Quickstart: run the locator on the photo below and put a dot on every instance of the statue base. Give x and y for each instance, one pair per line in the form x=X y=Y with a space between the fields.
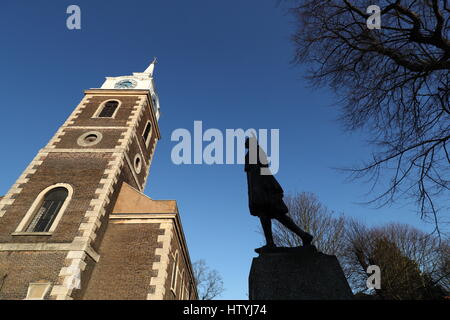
x=300 y=273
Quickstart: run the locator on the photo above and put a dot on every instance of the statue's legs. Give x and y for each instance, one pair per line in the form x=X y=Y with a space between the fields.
x=288 y=223
x=267 y=228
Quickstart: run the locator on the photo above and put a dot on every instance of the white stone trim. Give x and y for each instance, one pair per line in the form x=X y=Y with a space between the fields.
x=97 y=128
x=77 y=264
x=46 y=286
x=142 y=217
x=32 y=210
x=42 y=246
x=102 y=105
x=32 y=233
x=117 y=92
x=56 y=138
x=80 y=150
x=161 y=267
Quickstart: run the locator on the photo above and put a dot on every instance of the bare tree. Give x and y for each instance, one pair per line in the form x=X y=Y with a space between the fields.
x=313 y=217
x=413 y=264
x=393 y=82
x=209 y=282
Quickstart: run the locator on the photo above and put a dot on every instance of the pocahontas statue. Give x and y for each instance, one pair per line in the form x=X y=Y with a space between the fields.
x=265 y=195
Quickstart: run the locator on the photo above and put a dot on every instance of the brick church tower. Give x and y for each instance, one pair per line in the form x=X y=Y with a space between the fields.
x=76 y=224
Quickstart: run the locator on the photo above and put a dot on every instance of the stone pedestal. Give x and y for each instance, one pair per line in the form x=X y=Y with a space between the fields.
x=300 y=273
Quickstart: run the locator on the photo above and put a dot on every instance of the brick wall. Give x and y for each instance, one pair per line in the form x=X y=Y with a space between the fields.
x=24 y=267
x=125 y=267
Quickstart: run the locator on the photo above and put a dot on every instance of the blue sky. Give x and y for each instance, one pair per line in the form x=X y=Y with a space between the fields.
x=226 y=63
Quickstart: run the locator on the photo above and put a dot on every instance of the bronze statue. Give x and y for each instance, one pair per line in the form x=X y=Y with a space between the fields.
x=265 y=196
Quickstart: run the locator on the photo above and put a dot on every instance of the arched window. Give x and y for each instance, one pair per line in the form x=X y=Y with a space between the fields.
x=173 y=281
x=109 y=109
x=48 y=210
x=146 y=134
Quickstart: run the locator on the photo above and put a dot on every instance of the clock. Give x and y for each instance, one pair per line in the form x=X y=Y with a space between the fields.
x=126 y=84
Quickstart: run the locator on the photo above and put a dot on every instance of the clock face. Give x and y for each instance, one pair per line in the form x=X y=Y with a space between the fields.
x=126 y=84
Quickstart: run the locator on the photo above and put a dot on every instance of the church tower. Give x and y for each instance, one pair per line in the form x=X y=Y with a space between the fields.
x=76 y=224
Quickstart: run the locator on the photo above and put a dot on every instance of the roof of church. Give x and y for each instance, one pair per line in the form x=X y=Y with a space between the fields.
x=131 y=200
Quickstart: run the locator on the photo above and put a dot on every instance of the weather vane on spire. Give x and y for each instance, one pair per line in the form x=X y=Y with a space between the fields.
x=151 y=68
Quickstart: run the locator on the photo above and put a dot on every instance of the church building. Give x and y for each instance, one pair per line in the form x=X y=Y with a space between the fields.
x=76 y=224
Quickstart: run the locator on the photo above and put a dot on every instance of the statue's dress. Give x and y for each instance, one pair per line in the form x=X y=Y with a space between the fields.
x=265 y=195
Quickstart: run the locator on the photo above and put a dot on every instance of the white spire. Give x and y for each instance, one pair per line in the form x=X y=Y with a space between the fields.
x=151 y=68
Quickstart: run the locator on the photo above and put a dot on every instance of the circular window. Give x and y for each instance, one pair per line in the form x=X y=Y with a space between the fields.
x=137 y=164
x=89 y=139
